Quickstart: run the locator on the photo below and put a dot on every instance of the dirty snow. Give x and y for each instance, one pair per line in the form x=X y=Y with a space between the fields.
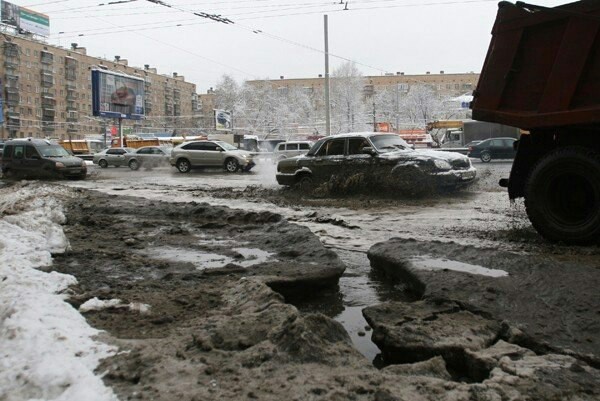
x=47 y=350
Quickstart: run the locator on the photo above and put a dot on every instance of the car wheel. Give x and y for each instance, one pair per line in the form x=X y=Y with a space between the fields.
x=562 y=196
x=103 y=163
x=183 y=165
x=134 y=164
x=305 y=183
x=486 y=157
x=231 y=165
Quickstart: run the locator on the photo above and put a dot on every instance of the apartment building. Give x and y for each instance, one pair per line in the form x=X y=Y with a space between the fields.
x=445 y=85
x=48 y=93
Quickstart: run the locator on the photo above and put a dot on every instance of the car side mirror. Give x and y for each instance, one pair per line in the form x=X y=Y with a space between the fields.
x=368 y=150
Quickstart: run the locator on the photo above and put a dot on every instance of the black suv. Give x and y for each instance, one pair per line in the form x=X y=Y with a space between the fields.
x=375 y=159
x=39 y=158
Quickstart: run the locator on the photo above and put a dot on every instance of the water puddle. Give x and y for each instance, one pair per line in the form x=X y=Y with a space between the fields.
x=425 y=262
x=208 y=260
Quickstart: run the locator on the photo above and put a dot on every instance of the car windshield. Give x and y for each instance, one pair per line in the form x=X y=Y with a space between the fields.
x=389 y=143
x=53 y=151
x=226 y=146
x=316 y=147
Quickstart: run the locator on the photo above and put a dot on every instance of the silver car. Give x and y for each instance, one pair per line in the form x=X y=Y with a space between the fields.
x=112 y=157
x=148 y=157
x=291 y=149
x=193 y=154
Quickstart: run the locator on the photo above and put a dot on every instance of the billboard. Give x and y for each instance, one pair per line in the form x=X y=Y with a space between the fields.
x=117 y=95
x=223 y=121
x=24 y=19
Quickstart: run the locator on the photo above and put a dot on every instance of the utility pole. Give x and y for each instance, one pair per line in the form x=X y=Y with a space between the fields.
x=398 y=107
x=327 y=101
x=374 y=116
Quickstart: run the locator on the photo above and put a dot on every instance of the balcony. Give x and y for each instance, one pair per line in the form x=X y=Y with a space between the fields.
x=47 y=80
x=13 y=121
x=48 y=113
x=47 y=127
x=72 y=117
x=46 y=58
x=12 y=99
x=48 y=102
x=11 y=49
x=71 y=106
x=168 y=109
x=176 y=110
x=72 y=128
x=70 y=95
x=70 y=63
x=70 y=86
x=11 y=63
x=70 y=75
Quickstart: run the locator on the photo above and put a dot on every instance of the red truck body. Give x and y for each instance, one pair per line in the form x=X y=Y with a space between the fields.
x=542 y=68
x=542 y=74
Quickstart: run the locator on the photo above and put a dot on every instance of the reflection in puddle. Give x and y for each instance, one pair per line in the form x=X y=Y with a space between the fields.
x=207 y=260
x=425 y=262
x=355 y=324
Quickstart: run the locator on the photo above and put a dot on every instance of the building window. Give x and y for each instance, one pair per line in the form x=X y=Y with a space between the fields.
x=27 y=52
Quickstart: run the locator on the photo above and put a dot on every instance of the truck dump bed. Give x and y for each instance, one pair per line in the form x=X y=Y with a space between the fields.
x=542 y=68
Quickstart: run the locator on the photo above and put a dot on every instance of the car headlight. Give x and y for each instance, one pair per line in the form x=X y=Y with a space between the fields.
x=60 y=165
x=442 y=164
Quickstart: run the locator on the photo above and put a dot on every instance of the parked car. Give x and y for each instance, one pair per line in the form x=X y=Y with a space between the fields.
x=375 y=159
x=193 y=154
x=39 y=158
x=291 y=149
x=472 y=143
x=495 y=148
x=112 y=157
x=148 y=157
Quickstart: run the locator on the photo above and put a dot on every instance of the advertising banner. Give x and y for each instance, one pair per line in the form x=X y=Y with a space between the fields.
x=25 y=19
x=116 y=95
x=223 y=120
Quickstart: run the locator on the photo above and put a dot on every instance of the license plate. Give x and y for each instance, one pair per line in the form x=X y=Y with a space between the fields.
x=468 y=175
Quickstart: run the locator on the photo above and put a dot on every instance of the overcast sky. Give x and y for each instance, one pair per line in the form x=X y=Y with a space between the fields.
x=380 y=35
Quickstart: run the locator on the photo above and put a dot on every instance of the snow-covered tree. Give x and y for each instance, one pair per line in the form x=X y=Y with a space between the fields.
x=421 y=105
x=227 y=94
x=348 y=109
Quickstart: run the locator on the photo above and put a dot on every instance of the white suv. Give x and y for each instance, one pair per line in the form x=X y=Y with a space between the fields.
x=291 y=149
x=210 y=154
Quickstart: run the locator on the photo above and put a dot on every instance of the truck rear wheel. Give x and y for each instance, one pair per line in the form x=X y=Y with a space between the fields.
x=562 y=196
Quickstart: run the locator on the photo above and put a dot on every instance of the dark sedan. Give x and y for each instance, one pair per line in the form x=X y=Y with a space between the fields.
x=373 y=159
x=494 y=148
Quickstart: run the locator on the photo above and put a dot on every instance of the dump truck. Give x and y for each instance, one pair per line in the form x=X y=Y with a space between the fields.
x=83 y=148
x=542 y=74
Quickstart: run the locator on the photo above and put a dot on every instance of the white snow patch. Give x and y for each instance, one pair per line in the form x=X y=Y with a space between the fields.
x=96 y=304
x=47 y=349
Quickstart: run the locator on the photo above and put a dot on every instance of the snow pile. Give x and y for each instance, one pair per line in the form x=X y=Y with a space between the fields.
x=47 y=349
x=96 y=304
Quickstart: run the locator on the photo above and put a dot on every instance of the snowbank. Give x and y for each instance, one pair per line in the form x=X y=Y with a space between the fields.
x=47 y=349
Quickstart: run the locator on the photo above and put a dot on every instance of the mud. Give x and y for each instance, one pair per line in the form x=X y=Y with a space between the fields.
x=241 y=304
x=542 y=304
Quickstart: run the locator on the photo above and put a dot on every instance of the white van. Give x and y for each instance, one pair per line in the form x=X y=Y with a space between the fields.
x=291 y=149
